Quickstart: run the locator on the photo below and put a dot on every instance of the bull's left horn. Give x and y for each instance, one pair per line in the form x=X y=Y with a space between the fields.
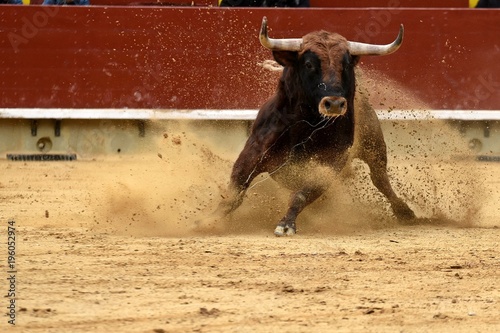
x=372 y=49
x=287 y=44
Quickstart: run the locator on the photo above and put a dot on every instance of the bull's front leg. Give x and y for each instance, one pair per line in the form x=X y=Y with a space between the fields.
x=232 y=198
x=245 y=169
x=299 y=200
x=252 y=161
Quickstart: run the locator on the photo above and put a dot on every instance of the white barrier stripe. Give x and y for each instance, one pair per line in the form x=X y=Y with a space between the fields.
x=439 y=114
x=38 y=113
x=231 y=114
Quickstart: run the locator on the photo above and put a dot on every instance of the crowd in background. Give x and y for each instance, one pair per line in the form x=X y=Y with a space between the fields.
x=264 y=3
x=246 y=3
x=488 y=4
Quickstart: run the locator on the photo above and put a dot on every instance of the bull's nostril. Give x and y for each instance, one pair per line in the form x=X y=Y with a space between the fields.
x=333 y=105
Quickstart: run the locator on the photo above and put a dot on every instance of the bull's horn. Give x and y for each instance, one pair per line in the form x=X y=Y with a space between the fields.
x=288 y=44
x=372 y=49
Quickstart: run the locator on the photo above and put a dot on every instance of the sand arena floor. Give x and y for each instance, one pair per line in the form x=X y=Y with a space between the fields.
x=106 y=245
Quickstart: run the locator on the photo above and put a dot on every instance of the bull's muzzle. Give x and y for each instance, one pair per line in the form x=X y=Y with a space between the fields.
x=332 y=106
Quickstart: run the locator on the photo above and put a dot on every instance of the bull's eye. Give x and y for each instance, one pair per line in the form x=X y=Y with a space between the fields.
x=309 y=65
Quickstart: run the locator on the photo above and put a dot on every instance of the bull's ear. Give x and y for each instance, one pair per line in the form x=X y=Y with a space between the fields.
x=354 y=60
x=286 y=58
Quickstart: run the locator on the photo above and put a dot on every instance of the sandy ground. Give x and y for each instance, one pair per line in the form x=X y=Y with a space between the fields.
x=105 y=245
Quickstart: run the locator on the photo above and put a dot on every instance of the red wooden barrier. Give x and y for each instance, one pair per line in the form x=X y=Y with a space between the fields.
x=195 y=57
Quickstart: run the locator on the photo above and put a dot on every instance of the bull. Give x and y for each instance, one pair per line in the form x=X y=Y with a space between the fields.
x=315 y=120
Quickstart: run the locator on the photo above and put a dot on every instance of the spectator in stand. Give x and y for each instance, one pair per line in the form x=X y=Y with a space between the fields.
x=488 y=4
x=264 y=3
x=240 y=3
x=11 y=2
x=285 y=3
x=67 y=2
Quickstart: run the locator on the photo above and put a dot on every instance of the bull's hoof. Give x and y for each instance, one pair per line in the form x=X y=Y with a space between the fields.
x=403 y=212
x=281 y=231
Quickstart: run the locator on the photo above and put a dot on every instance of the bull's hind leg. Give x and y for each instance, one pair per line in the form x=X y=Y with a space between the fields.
x=380 y=179
x=298 y=202
x=377 y=162
x=370 y=147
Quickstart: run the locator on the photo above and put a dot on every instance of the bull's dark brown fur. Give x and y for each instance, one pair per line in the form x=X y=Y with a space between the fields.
x=292 y=140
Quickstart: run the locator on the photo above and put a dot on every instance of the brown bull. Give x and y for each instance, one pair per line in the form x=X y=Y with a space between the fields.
x=311 y=123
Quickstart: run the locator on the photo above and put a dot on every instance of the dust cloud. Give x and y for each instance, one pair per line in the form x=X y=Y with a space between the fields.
x=161 y=190
x=183 y=171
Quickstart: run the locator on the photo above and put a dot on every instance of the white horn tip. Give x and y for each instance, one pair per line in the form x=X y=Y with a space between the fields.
x=401 y=33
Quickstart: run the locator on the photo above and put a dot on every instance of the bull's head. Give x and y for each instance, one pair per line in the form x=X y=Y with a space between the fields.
x=322 y=65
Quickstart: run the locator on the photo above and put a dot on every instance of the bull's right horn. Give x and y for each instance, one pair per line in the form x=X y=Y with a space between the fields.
x=372 y=49
x=286 y=44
